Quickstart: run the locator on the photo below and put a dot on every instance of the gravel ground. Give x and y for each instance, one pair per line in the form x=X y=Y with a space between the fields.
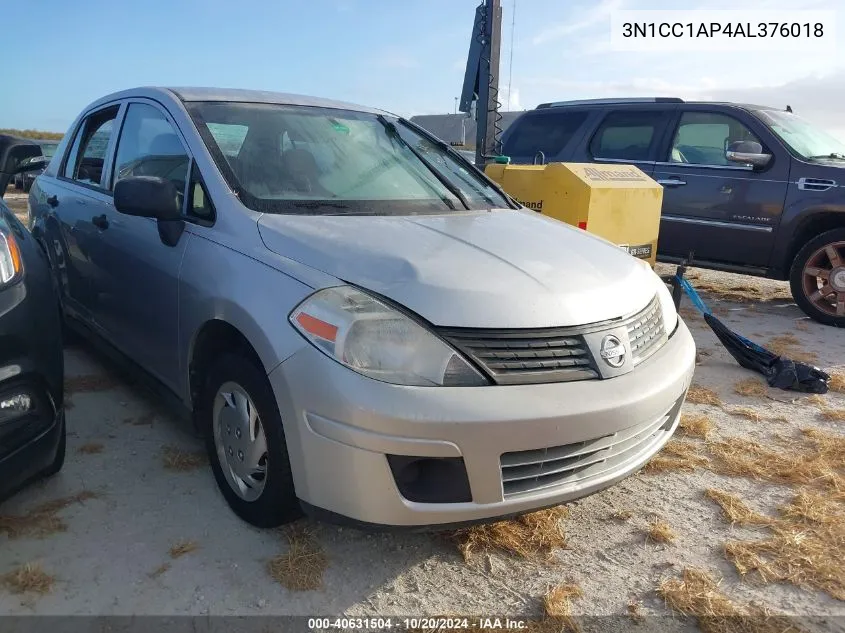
x=112 y=554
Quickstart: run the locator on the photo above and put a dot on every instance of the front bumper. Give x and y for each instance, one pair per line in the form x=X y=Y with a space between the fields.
x=340 y=427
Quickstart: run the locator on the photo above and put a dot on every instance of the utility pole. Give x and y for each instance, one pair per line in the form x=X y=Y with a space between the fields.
x=481 y=80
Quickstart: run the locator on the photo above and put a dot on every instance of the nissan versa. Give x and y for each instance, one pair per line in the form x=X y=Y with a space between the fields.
x=363 y=325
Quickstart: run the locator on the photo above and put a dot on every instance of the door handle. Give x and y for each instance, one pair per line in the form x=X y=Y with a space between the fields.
x=100 y=221
x=671 y=182
x=53 y=201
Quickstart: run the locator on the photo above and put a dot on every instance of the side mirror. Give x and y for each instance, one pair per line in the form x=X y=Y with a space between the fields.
x=39 y=162
x=147 y=197
x=747 y=152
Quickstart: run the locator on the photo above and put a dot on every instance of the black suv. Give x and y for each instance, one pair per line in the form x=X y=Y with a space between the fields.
x=747 y=189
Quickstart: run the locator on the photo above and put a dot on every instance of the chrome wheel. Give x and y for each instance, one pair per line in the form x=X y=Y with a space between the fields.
x=823 y=279
x=240 y=441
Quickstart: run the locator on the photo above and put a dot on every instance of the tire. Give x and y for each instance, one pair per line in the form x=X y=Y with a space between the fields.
x=59 y=460
x=276 y=502
x=806 y=288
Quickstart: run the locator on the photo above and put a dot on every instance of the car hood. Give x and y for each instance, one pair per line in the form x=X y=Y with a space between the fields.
x=497 y=269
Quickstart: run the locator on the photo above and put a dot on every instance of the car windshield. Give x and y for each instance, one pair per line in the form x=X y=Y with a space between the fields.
x=802 y=137
x=303 y=159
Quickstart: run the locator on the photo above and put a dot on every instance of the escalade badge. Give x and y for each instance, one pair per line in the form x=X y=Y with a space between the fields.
x=612 y=351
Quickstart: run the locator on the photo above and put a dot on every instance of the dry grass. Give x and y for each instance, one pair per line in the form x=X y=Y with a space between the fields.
x=622 y=515
x=735 y=510
x=89 y=383
x=160 y=570
x=696 y=425
x=806 y=546
x=837 y=381
x=742 y=293
x=182 y=547
x=557 y=604
x=818 y=460
x=659 y=532
x=91 y=448
x=28 y=578
x=703 y=395
x=751 y=387
x=816 y=400
x=41 y=520
x=789 y=346
x=141 y=420
x=676 y=456
x=174 y=458
x=302 y=567
x=532 y=536
x=832 y=415
x=754 y=415
x=697 y=594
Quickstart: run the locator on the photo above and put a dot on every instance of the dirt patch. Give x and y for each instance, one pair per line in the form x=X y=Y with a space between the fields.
x=91 y=448
x=160 y=570
x=90 y=383
x=532 y=536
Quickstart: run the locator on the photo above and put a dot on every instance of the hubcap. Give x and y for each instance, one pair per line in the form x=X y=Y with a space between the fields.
x=240 y=441
x=824 y=279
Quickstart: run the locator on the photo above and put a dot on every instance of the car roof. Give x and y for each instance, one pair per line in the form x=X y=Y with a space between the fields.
x=189 y=94
x=640 y=101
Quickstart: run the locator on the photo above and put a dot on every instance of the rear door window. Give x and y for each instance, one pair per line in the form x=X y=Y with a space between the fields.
x=88 y=155
x=628 y=135
x=548 y=132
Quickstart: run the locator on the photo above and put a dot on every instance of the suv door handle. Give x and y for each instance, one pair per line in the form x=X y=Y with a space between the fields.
x=672 y=182
x=100 y=221
x=53 y=201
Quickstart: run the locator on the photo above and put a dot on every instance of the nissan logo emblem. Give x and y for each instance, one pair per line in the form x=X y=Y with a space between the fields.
x=612 y=351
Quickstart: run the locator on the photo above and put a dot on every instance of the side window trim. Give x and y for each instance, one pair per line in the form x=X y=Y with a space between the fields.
x=110 y=148
x=674 y=131
x=657 y=141
x=195 y=176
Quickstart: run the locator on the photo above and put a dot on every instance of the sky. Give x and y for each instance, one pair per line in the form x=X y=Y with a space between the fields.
x=406 y=57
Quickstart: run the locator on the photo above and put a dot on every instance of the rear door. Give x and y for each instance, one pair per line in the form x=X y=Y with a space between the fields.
x=78 y=200
x=723 y=212
x=543 y=136
x=630 y=135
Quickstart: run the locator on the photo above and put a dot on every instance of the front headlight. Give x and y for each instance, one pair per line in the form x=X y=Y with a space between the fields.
x=378 y=341
x=670 y=315
x=11 y=263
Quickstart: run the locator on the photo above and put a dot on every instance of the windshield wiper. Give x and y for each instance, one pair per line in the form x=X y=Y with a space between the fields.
x=394 y=133
x=834 y=155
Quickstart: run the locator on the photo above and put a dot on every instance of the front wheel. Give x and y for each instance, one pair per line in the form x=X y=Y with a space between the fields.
x=246 y=443
x=817 y=278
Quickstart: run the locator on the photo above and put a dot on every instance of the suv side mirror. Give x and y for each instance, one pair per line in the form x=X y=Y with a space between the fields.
x=147 y=197
x=38 y=162
x=748 y=152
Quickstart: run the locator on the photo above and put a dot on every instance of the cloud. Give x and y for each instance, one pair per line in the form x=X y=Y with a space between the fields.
x=509 y=98
x=593 y=17
x=397 y=60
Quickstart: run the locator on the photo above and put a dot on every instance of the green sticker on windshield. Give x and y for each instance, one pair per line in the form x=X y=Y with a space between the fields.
x=339 y=127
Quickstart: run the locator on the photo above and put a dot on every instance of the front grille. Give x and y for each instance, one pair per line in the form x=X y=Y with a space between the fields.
x=646 y=332
x=555 y=354
x=529 y=471
x=526 y=356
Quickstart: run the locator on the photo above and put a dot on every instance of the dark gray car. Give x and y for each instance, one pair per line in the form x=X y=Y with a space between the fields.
x=747 y=188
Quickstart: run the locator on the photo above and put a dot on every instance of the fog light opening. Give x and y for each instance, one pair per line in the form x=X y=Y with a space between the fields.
x=431 y=479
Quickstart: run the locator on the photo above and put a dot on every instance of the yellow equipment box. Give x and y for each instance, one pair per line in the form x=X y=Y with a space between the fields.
x=617 y=202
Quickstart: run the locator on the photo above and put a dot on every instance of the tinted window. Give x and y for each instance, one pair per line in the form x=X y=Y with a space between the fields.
x=703 y=137
x=627 y=135
x=88 y=154
x=149 y=146
x=548 y=132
